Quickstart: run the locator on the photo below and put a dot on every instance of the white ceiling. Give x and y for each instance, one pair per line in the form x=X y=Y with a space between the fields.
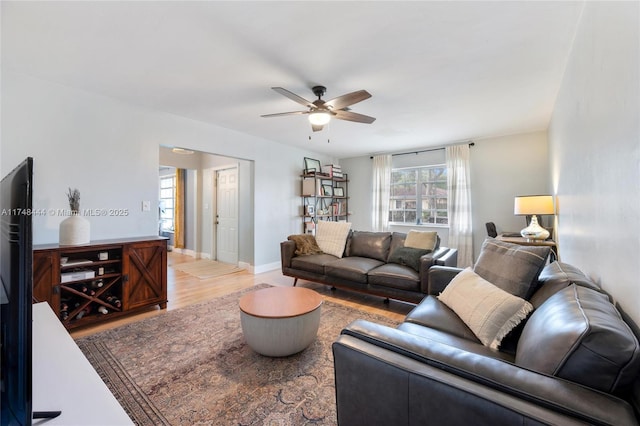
x=439 y=72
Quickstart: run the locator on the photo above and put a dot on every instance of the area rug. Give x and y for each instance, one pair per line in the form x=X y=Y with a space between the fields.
x=192 y=367
x=204 y=268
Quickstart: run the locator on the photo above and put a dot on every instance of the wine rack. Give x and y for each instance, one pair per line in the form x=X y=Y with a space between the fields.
x=102 y=280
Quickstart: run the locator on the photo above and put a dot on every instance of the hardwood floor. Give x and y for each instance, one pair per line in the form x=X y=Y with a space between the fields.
x=184 y=290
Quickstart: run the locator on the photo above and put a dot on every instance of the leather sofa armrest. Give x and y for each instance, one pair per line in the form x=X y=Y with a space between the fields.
x=426 y=262
x=385 y=360
x=448 y=258
x=441 y=256
x=439 y=277
x=287 y=252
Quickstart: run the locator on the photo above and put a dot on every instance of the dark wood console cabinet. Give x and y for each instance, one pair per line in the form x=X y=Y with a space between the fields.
x=101 y=280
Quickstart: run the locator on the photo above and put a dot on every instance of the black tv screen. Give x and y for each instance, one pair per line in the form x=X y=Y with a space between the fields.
x=17 y=289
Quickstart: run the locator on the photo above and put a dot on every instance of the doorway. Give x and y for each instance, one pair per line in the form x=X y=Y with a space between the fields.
x=226 y=220
x=233 y=241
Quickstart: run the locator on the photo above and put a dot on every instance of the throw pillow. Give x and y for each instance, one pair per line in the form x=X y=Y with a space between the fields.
x=332 y=236
x=305 y=244
x=425 y=240
x=491 y=313
x=407 y=256
x=513 y=268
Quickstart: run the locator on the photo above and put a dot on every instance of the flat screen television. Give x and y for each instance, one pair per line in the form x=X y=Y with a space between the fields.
x=17 y=289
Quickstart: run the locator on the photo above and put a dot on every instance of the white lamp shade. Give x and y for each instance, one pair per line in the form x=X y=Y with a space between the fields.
x=533 y=204
x=319 y=118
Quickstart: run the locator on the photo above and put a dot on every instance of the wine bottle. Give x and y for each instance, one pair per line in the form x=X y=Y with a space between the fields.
x=113 y=300
x=103 y=310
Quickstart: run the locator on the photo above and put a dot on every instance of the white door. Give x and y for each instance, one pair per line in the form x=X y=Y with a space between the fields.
x=226 y=219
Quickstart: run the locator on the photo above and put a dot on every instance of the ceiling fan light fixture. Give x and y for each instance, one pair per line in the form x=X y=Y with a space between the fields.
x=319 y=118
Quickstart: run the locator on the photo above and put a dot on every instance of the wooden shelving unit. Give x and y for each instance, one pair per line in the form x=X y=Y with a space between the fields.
x=323 y=198
x=101 y=280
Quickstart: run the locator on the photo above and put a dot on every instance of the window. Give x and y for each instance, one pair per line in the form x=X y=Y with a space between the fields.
x=167 y=196
x=419 y=196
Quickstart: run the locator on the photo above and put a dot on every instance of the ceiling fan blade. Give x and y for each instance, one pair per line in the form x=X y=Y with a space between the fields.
x=279 y=114
x=316 y=128
x=354 y=116
x=348 y=99
x=294 y=97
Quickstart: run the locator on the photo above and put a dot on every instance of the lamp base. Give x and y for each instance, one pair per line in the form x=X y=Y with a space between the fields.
x=535 y=231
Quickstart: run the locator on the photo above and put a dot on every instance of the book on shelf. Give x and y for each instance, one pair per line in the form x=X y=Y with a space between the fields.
x=333 y=170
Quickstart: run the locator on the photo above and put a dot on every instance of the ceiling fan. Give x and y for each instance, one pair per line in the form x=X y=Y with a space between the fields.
x=320 y=112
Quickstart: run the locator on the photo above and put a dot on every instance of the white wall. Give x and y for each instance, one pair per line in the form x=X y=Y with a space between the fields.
x=501 y=168
x=109 y=151
x=594 y=140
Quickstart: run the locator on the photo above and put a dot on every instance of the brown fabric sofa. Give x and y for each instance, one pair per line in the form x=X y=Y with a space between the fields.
x=364 y=266
x=574 y=361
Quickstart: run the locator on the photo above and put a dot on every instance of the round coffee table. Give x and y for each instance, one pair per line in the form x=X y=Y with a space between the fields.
x=280 y=321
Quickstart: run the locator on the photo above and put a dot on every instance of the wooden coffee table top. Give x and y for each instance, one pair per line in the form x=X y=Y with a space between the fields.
x=280 y=302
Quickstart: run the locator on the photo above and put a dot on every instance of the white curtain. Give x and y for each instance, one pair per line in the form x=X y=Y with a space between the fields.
x=459 y=188
x=381 y=185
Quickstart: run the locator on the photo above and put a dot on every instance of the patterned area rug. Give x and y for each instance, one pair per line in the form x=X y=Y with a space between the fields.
x=192 y=367
x=204 y=268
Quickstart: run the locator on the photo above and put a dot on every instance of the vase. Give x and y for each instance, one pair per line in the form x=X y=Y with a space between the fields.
x=74 y=231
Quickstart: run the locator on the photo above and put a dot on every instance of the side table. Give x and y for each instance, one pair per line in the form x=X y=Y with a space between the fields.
x=530 y=242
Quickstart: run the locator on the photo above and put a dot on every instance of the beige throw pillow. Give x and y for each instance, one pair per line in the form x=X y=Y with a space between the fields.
x=332 y=236
x=425 y=240
x=490 y=312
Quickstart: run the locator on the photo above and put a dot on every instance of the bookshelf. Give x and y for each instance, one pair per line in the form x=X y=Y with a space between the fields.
x=325 y=196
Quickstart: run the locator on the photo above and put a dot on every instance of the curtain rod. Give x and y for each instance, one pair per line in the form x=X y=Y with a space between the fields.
x=421 y=151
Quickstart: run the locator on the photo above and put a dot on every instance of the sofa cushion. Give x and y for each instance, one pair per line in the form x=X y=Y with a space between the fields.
x=407 y=256
x=312 y=262
x=421 y=239
x=305 y=244
x=432 y=313
x=370 y=244
x=332 y=236
x=490 y=312
x=395 y=276
x=557 y=276
x=578 y=335
x=397 y=240
x=470 y=346
x=351 y=268
x=513 y=268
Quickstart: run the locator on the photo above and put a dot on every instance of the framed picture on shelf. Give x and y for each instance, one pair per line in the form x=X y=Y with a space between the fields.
x=309 y=210
x=312 y=166
x=338 y=192
x=327 y=190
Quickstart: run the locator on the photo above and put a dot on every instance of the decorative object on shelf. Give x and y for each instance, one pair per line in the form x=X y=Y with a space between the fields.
x=534 y=205
x=338 y=192
x=74 y=230
x=312 y=166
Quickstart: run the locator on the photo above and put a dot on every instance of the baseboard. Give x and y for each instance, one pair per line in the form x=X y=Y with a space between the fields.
x=247 y=267
x=266 y=268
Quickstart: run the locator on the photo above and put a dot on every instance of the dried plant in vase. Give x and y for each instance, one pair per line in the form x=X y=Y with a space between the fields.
x=74 y=230
x=74 y=200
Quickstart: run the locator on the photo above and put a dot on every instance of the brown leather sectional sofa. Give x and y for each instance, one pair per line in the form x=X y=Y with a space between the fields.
x=575 y=361
x=364 y=266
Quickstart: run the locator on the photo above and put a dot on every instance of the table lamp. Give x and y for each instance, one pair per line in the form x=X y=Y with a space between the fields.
x=534 y=205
